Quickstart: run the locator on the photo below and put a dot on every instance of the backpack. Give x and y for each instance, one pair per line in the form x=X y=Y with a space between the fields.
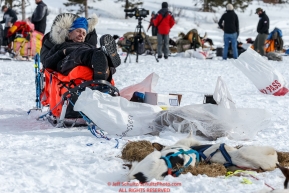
x=275 y=40
x=139 y=44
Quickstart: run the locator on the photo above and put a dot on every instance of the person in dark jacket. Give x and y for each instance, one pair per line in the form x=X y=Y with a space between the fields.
x=164 y=21
x=263 y=31
x=75 y=52
x=39 y=16
x=9 y=18
x=231 y=30
x=154 y=29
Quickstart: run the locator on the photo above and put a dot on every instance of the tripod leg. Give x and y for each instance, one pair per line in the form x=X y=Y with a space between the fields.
x=149 y=43
x=126 y=57
x=127 y=54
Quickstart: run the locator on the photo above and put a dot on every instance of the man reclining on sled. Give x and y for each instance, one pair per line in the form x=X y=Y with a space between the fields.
x=74 y=52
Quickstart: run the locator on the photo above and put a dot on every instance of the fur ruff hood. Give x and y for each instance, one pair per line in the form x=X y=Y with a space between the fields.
x=62 y=23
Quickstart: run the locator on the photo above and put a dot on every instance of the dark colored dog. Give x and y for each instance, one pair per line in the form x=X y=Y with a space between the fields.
x=249 y=41
x=172 y=42
x=210 y=41
x=115 y=37
x=285 y=171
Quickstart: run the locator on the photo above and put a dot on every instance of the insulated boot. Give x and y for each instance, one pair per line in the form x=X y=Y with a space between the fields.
x=108 y=46
x=100 y=65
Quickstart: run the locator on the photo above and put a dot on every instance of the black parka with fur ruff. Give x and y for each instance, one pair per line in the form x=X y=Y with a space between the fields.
x=76 y=54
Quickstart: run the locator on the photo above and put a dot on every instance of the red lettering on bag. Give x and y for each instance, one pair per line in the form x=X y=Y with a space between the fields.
x=279 y=84
x=275 y=85
x=272 y=88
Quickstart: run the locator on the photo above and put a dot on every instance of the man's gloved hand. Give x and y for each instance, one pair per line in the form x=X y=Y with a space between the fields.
x=67 y=51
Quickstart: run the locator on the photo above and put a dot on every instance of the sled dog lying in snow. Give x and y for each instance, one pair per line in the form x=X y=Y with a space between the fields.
x=188 y=151
x=155 y=164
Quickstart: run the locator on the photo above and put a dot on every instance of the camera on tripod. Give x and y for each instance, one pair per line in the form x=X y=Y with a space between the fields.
x=137 y=44
x=137 y=12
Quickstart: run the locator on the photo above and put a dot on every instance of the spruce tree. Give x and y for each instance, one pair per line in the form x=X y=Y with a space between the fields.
x=83 y=6
x=211 y=5
x=129 y=4
x=241 y=5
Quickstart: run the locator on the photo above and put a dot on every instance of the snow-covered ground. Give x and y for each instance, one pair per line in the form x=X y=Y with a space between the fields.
x=35 y=157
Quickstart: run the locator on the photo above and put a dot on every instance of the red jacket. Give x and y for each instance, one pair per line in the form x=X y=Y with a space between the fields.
x=164 y=24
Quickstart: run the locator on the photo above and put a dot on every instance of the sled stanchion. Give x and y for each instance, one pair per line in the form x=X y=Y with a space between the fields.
x=38 y=83
x=38 y=79
x=62 y=115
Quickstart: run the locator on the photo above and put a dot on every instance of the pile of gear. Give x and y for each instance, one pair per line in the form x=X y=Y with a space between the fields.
x=192 y=40
x=127 y=43
x=273 y=45
x=27 y=42
x=24 y=40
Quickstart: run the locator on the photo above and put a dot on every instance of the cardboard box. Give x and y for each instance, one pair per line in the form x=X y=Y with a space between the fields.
x=163 y=100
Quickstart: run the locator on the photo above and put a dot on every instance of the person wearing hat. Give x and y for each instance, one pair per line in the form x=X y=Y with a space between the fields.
x=229 y=23
x=154 y=29
x=9 y=18
x=263 y=31
x=164 y=21
x=39 y=16
x=75 y=52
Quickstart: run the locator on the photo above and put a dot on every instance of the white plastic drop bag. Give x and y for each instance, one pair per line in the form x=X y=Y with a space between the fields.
x=267 y=79
x=222 y=95
x=117 y=115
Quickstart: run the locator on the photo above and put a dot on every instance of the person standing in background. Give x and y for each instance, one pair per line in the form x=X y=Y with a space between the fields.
x=231 y=30
x=263 y=31
x=39 y=16
x=154 y=29
x=9 y=18
x=164 y=21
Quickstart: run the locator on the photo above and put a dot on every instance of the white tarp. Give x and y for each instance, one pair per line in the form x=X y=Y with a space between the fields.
x=214 y=121
x=117 y=115
x=258 y=69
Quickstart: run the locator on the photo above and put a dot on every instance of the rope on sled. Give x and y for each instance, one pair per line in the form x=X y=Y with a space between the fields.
x=49 y=112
